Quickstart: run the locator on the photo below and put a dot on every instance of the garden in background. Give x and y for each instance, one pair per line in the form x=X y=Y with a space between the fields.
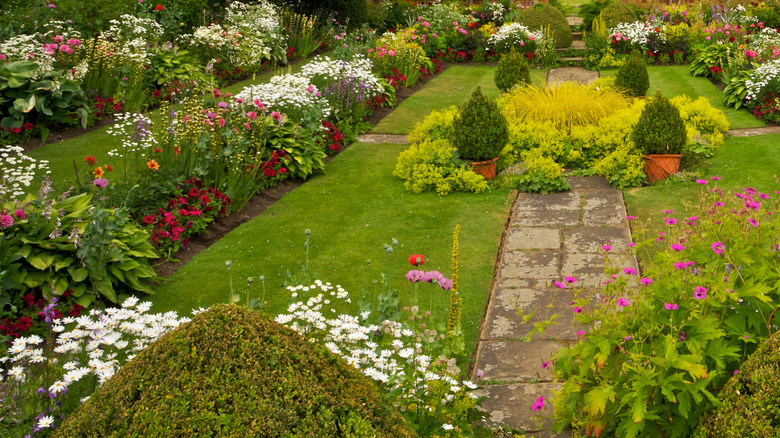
x=130 y=128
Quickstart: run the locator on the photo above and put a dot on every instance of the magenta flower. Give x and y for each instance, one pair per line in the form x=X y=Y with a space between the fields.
x=580 y=333
x=736 y=372
x=671 y=221
x=429 y=276
x=629 y=271
x=631 y=244
x=753 y=222
x=445 y=283
x=692 y=219
x=701 y=181
x=100 y=183
x=20 y=214
x=578 y=310
x=668 y=211
x=560 y=285
x=630 y=217
x=622 y=302
x=677 y=247
x=545 y=364
x=570 y=279
x=6 y=221
x=606 y=247
x=222 y=105
x=646 y=281
x=670 y=306
x=715 y=178
x=539 y=404
x=680 y=265
x=718 y=248
x=700 y=293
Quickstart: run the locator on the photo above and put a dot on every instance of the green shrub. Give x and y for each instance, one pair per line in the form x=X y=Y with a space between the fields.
x=749 y=400
x=632 y=76
x=349 y=12
x=480 y=129
x=233 y=372
x=512 y=69
x=660 y=129
x=535 y=174
x=616 y=13
x=434 y=165
x=543 y=15
x=590 y=11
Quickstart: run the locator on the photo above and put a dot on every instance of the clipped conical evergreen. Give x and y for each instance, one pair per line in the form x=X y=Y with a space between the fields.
x=512 y=69
x=660 y=129
x=480 y=129
x=632 y=76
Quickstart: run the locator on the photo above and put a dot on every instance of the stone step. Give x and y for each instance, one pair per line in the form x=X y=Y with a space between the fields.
x=576 y=36
x=575 y=45
x=574 y=21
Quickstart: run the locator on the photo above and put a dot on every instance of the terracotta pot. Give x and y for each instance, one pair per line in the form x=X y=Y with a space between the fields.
x=486 y=168
x=658 y=167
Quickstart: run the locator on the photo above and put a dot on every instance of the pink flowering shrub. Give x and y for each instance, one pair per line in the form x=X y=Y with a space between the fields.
x=657 y=351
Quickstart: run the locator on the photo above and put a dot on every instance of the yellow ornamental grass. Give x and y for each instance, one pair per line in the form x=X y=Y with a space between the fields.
x=565 y=106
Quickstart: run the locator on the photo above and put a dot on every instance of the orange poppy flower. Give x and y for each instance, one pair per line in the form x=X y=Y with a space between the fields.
x=98 y=172
x=152 y=164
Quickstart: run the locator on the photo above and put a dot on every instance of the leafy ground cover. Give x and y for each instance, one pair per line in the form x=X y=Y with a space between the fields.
x=451 y=87
x=675 y=80
x=365 y=207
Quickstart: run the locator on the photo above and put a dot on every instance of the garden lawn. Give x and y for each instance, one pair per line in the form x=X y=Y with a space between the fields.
x=741 y=162
x=352 y=210
x=453 y=86
x=676 y=79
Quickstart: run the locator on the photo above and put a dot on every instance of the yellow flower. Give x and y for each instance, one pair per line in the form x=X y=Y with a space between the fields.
x=98 y=172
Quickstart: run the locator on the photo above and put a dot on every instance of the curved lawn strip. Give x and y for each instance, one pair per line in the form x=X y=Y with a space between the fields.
x=674 y=80
x=452 y=87
x=352 y=211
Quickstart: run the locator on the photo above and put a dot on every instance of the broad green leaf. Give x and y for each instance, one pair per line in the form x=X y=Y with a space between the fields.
x=41 y=260
x=78 y=275
x=596 y=399
x=61 y=285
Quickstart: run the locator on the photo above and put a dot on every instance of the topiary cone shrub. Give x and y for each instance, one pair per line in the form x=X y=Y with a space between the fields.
x=233 y=372
x=480 y=129
x=750 y=400
x=632 y=76
x=660 y=129
x=512 y=69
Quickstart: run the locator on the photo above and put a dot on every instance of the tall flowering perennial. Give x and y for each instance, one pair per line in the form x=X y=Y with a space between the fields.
x=402 y=359
x=634 y=35
x=763 y=80
x=657 y=351
x=515 y=35
x=84 y=353
x=290 y=94
x=18 y=171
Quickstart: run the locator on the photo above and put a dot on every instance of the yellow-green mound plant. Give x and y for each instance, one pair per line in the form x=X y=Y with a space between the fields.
x=234 y=372
x=434 y=165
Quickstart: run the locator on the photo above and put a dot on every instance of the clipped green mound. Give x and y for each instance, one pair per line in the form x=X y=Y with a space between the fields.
x=616 y=13
x=542 y=15
x=233 y=372
x=750 y=400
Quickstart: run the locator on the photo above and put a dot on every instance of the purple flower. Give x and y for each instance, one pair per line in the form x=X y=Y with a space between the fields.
x=668 y=211
x=622 y=302
x=715 y=178
x=700 y=293
x=6 y=221
x=646 y=281
x=222 y=105
x=429 y=276
x=100 y=183
x=630 y=217
x=445 y=283
x=677 y=247
x=718 y=248
x=629 y=271
x=753 y=222
x=606 y=247
x=570 y=279
x=670 y=221
x=580 y=333
x=545 y=364
x=701 y=181
x=670 y=306
x=414 y=275
x=480 y=373
x=578 y=310
x=560 y=285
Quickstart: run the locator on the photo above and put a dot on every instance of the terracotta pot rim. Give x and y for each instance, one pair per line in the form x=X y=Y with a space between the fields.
x=485 y=162
x=651 y=156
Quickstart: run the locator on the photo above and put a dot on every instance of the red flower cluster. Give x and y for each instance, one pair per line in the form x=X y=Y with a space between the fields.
x=34 y=306
x=186 y=215
x=27 y=126
x=101 y=103
x=331 y=136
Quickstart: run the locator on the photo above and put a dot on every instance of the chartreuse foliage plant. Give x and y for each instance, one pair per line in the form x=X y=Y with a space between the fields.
x=233 y=371
x=656 y=350
x=434 y=165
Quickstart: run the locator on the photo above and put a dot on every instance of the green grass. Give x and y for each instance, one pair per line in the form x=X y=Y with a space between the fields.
x=740 y=162
x=676 y=79
x=452 y=87
x=352 y=210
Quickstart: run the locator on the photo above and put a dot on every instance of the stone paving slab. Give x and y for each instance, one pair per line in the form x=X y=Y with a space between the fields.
x=570 y=74
x=580 y=183
x=515 y=360
x=533 y=238
x=590 y=239
x=532 y=265
x=510 y=405
x=552 y=202
x=537 y=218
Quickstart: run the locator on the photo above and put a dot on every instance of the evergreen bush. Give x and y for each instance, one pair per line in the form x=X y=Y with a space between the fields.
x=616 y=13
x=512 y=69
x=542 y=15
x=632 y=76
x=234 y=372
x=660 y=129
x=749 y=401
x=480 y=129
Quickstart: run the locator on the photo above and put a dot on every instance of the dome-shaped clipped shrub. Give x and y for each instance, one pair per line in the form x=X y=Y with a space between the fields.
x=233 y=372
x=480 y=129
x=512 y=69
x=632 y=76
x=660 y=129
x=616 y=13
x=542 y=15
x=750 y=401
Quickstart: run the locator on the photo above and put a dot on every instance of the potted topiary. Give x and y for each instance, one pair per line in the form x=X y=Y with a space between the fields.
x=480 y=132
x=661 y=135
